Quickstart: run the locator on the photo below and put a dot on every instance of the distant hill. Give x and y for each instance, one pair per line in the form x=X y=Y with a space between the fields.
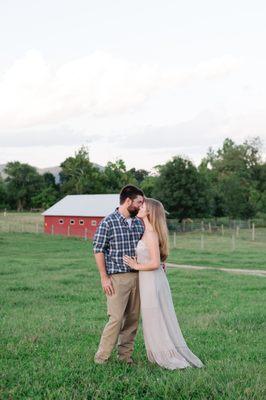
x=53 y=170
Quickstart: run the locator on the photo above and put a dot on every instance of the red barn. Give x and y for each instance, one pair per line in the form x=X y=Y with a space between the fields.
x=79 y=215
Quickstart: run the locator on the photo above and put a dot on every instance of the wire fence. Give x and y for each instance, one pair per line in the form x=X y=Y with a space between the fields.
x=193 y=234
x=213 y=225
x=21 y=222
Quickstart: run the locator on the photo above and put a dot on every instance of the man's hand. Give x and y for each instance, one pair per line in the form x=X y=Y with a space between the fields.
x=107 y=286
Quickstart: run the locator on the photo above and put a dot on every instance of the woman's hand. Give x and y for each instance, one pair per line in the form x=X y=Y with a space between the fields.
x=131 y=262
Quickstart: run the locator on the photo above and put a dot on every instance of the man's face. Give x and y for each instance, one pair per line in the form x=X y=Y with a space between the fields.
x=135 y=205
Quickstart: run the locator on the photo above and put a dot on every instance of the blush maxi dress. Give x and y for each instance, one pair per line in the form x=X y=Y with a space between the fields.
x=164 y=342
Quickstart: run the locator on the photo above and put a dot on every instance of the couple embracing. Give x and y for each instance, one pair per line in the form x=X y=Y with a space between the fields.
x=130 y=246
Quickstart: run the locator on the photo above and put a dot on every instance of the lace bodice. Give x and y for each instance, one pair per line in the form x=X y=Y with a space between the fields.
x=142 y=252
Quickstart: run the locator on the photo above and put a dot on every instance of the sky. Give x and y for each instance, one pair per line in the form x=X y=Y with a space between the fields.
x=138 y=80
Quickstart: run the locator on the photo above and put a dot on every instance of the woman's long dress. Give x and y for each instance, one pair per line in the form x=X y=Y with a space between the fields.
x=164 y=342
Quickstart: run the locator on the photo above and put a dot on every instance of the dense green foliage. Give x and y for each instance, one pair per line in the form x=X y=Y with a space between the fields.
x=53 y=311
x=228 y=182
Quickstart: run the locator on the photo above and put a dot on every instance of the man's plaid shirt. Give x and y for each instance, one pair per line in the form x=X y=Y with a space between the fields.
x=115 y=239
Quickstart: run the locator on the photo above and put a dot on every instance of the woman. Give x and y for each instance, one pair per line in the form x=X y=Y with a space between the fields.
x=163 y=338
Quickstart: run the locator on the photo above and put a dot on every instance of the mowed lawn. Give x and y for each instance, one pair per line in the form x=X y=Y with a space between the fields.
x=219 y=250
x=53 y=312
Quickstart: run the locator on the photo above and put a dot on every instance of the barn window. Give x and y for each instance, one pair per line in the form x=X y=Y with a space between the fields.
x=72 y=221
x=61 y=221
x=81 y=222
x=93 y=222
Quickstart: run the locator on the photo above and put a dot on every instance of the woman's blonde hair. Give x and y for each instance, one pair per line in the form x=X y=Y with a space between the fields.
x=156 y=216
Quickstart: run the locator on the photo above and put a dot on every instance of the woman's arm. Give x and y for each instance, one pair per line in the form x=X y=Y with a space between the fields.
x=154 y=261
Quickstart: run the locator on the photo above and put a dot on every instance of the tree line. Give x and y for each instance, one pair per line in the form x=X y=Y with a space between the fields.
x=230 y=181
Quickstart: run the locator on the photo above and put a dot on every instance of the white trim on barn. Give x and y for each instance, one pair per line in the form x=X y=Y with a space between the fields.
x=84 y=205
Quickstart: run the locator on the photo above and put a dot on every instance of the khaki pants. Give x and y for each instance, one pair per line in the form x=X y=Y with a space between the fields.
x=123 y=309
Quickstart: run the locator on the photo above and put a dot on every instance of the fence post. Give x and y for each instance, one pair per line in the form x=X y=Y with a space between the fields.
x=202 y=226
x=202 y=242
x=174 y=240
x=223 y=229
x=237 y=231
x=85 y=234
x=233 y=242
x=210 y=227
x=253 y=231
x=52 y=229
x=68 y=230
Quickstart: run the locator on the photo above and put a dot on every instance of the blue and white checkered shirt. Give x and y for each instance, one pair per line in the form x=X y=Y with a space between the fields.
x=115 y=239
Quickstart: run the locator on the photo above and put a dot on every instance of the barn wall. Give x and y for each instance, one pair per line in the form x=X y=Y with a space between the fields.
x=53 y=226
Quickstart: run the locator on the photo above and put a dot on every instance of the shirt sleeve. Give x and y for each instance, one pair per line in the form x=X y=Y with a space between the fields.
x=101 y=238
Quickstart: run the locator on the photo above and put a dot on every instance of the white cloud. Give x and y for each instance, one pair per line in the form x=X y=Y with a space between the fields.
x=51 y=136
x=208 y=128
x=33 y=93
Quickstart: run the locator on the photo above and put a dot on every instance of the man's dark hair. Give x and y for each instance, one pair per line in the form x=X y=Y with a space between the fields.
x=130 y=191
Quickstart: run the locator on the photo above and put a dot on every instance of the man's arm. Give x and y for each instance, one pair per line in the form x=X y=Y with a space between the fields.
x=105 y=279
x=100 y=244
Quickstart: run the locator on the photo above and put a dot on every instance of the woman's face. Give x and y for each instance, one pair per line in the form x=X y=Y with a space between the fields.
x=143 y=211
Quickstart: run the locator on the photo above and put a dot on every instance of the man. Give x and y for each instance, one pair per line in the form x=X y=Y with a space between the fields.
x=116 y=236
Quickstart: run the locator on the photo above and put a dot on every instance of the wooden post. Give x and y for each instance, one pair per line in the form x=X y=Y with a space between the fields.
x=210 y=227
x=52 y=231
x=253 y=231
x=233 y=242
x=237 y=231
x=223 y=229
x=85 y=233
x=202 y=226
x=68 y=230
x=202 y=242
x=174 y=240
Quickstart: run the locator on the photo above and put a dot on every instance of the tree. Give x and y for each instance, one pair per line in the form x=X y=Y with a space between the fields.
x=49 y=193
x=259 y=176
x=148 y=185
x=79 y=175
x=139 y=174
x=22 y=183
x=115 y=176
x=45 y=198
x=231 y=173
x=49 y=180
x=3 y=194
x=181 y=189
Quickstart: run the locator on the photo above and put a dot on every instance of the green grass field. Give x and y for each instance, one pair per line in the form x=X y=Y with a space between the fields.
x=53 y=312
x=218 y=251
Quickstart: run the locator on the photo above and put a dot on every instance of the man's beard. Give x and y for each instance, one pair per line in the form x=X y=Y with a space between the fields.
x=133 y=212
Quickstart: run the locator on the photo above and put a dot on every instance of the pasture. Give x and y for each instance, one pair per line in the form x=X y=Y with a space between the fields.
x=230 y=248
x=53 y=312
x=227 y=251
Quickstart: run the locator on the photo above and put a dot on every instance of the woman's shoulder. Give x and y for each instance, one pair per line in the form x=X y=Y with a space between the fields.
x=151 y=235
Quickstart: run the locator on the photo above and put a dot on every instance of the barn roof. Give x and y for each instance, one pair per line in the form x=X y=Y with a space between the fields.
x=84 y=205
